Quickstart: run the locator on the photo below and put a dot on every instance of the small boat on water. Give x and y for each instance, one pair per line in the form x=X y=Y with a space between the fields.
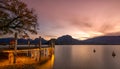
x=113 y=54
x=94 y=50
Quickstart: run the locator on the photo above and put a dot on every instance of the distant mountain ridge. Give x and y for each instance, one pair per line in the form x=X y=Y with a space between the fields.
x=101 y=40
x=105 y=40
x=22 y=41
x=68 y=40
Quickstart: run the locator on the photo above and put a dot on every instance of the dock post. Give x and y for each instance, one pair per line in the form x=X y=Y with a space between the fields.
x=28 y=54
x=39 y=42
x=52 y=45
x=29 y=43
x=15 y=48
x=40 y=48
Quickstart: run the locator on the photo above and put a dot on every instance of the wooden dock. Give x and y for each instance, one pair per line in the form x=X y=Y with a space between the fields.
x=13 y=49
x=21 y=47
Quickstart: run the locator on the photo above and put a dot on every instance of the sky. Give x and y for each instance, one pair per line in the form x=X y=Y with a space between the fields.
x=81 y=19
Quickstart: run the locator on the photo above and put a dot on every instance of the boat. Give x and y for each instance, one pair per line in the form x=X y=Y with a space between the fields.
x=94 y=50
x=113 y=54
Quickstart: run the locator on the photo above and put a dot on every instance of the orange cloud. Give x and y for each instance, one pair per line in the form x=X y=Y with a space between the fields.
x=70 y=17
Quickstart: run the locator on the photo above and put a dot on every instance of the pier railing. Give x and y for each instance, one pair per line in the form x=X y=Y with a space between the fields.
x=30 y=50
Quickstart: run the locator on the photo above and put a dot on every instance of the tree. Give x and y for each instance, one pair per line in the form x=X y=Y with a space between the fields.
x=16 y=17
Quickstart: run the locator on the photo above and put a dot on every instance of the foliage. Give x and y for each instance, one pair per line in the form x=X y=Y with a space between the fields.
x=16 y=17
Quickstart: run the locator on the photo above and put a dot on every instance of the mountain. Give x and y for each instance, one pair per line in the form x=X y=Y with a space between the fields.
x=5 y=41
x=36 y=41
x=101 y=40
x=104 y=40
x=66 y=40
x=21 y=41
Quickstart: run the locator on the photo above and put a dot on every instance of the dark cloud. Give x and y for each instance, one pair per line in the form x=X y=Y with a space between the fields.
x=113 y=34
x=81 y=23
x=57 y=27
x=106 y=27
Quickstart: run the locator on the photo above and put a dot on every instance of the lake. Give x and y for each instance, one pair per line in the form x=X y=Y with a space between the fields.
x=84 y=57
x=67 y=57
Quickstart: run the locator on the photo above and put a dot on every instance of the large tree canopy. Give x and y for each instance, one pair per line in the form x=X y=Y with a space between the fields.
x=15 y=16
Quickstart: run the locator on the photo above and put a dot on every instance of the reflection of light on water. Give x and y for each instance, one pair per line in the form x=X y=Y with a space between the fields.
x=10 y=57
x=83 y=50
x=52 y=60
x=48 y=64
x=84 y=54
x=80 y=51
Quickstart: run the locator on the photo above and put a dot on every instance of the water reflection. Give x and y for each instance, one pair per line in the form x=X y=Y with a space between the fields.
x=34 y=58
x=83 y=57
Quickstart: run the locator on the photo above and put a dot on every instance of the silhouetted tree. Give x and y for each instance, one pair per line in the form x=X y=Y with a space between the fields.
x=15 y=16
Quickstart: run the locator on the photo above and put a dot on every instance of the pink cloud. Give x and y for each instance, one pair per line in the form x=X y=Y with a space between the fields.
x=60 y=17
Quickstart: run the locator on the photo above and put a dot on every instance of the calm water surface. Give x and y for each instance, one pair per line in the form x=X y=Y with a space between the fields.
x=83 y=57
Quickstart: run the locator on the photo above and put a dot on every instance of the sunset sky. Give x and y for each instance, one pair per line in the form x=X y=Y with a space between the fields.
x=79 y=18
